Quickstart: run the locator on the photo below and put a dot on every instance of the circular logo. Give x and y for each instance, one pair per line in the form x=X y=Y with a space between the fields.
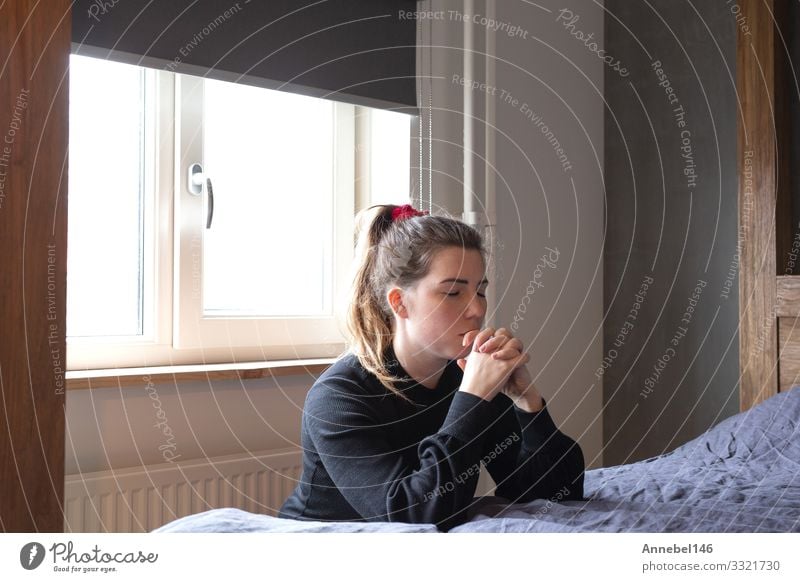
x=31 y=555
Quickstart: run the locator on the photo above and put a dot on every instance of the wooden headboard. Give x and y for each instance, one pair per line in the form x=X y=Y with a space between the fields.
x=769 y=289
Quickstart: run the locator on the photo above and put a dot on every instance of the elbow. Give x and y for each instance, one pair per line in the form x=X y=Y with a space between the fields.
x=445 y=509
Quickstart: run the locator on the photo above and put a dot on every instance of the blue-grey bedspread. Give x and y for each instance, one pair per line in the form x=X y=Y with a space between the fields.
x=743 y=475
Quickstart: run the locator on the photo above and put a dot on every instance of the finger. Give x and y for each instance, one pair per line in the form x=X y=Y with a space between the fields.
x=493 y=343
x=462 y=363
x=510 y=354
x=509 y=349
x=469 y=337
x=504 y=332
x=482 y=336
x=516 y=343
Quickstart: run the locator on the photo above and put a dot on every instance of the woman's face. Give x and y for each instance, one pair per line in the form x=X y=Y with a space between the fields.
x=445 y=304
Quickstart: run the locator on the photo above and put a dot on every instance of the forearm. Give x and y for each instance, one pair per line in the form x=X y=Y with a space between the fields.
x=542 y=464
x=529 y=400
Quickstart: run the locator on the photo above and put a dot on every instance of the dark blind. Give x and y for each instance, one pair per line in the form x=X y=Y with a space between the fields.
x=357 y=51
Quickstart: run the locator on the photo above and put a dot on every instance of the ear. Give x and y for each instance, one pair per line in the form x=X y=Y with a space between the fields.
x=395 y=299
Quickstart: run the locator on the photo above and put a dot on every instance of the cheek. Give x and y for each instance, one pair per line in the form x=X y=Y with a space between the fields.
x=442 y=321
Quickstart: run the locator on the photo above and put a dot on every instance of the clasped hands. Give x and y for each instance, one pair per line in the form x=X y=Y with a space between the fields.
x=494 y=354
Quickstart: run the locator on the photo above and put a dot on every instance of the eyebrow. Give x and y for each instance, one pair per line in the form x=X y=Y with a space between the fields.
x=464 y=281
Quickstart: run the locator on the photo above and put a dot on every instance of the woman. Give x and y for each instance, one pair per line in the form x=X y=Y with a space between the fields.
x=396 y=429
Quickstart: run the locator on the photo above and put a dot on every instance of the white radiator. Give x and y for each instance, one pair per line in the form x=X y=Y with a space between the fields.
x=142 y=499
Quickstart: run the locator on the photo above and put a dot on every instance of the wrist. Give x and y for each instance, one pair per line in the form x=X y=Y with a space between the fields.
x=530 y=403
x=479 y=393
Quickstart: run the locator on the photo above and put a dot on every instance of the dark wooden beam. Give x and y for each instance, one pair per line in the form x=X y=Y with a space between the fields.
x=35 y=37
x=758 y=153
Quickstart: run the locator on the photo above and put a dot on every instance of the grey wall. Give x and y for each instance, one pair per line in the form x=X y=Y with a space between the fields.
x=539 y=69
x=662 y=388
x=550 y=89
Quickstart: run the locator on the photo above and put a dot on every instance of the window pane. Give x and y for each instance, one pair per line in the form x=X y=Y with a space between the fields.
x=390 y=157
x=106 y=194
x=270 y=156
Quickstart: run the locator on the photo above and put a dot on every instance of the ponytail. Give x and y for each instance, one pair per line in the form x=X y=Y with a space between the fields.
x=393 y=253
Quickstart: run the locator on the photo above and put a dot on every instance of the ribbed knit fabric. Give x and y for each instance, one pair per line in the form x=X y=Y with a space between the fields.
x=370 y=456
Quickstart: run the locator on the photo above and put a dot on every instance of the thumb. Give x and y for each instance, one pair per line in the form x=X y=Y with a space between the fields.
x=469 y=337
x=462 y=363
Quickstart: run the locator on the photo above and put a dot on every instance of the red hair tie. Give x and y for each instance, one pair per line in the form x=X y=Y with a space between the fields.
x=406 y=211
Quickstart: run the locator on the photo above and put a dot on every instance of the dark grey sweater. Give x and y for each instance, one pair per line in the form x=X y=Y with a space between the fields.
x=370 y=456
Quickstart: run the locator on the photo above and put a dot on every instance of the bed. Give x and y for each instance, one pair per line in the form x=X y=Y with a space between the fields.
x=742 y=475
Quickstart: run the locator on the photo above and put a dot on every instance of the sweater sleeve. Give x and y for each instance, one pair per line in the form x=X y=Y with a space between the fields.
x=381 y=483
x=539 y=461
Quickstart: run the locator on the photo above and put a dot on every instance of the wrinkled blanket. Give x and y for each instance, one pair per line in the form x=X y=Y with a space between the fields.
x=743 y=475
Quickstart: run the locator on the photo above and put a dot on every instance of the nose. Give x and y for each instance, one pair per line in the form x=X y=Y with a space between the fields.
x=476 y=308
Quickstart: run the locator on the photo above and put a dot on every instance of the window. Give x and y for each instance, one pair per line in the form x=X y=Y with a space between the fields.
x=112 y=185
x=212 y=222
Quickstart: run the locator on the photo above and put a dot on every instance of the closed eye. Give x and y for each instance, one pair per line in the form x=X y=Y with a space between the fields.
x=457 y=293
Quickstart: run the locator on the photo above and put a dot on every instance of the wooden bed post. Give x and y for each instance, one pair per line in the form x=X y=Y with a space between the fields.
x=35 y=36
x=762 y=138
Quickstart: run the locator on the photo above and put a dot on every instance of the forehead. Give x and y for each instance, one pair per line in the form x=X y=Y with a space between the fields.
x=457 y=262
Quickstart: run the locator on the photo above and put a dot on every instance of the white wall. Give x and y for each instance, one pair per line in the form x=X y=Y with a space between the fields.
x=111 y=428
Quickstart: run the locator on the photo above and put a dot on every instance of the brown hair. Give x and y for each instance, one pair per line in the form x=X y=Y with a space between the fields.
x=388 y=254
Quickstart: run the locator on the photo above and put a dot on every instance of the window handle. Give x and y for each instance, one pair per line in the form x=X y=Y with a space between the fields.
x=194 y=181
x=210 y=215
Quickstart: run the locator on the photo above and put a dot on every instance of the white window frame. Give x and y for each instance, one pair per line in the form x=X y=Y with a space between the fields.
x=152 y=347
x=168 y=325
x=282 y=338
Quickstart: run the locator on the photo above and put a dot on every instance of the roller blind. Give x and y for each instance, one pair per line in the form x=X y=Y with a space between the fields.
x=356 y=51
